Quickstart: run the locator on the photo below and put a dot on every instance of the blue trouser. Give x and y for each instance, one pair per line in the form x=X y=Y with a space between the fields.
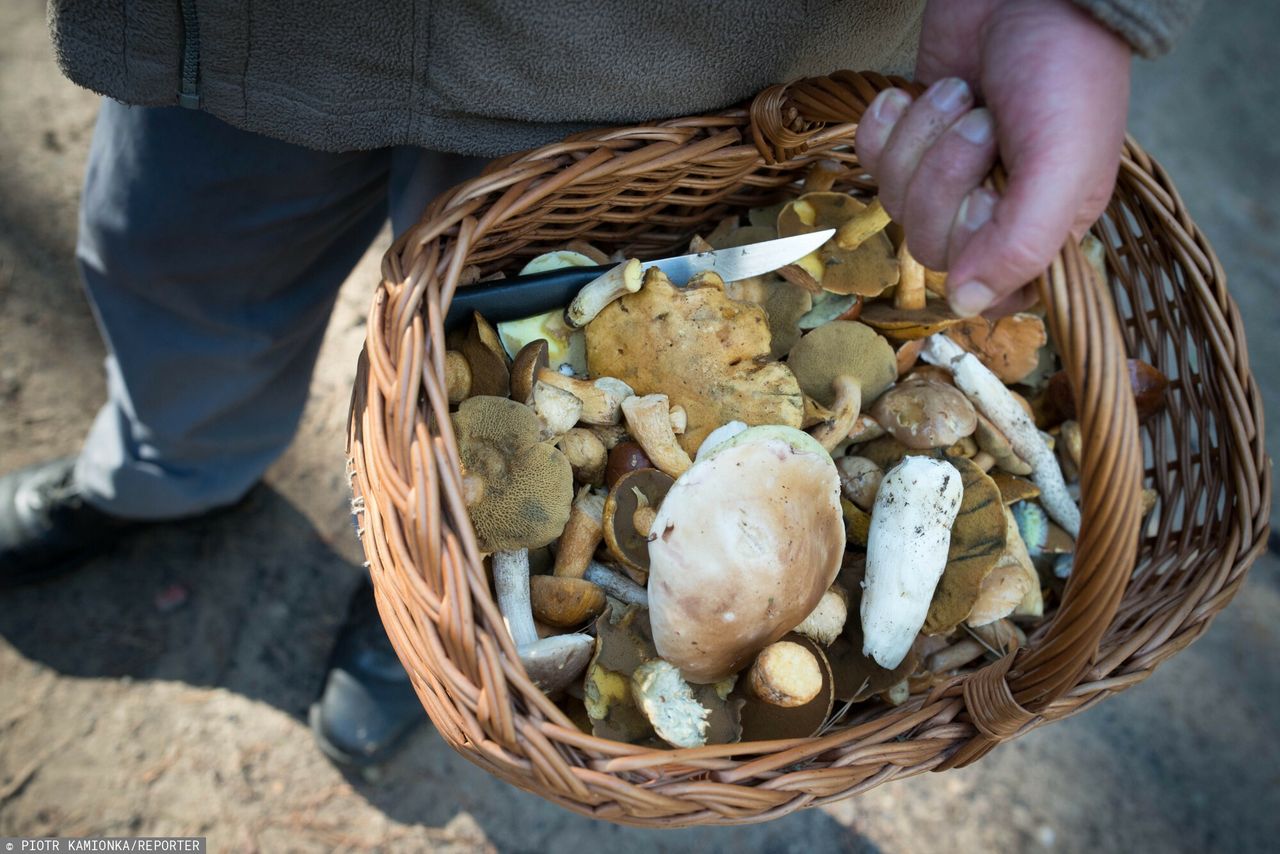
x=212 y=257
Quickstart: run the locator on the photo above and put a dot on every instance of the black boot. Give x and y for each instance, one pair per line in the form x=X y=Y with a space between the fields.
x=46 y=526
x=367 y=705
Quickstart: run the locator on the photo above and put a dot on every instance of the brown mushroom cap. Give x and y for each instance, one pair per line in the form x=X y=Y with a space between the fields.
x=908 y=324
x=1013 y=488
x=519 y=490
x=979 y=538
x=1009 y=346
x=867 y=269
x=564 y=602
x=488 y=361
x=627 y=545
x=531 y=359
x=703 y=350
x=924 y=413
x=843 y=348
x=784 y=304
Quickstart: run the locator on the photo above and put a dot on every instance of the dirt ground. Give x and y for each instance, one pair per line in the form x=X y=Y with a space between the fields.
x=120 y=715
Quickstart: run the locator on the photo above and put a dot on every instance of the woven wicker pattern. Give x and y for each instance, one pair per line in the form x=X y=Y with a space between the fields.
x=1135 y=597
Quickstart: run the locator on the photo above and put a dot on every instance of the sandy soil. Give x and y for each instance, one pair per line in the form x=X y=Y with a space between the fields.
x=118 y=716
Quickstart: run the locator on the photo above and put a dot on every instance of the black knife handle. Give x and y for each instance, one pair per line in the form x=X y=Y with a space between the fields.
x=523 y=296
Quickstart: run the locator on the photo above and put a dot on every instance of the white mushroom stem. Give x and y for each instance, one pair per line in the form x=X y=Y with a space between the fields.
x=552 y=663
x=848 y=406
x=910 y=293
x=679 y=420
x=511 y=582
x=601 y=398
x=582 y=533
x=906 y=552
x=826 y=621
x=991 y=397
x=557 y=410
x=649 y=420
x=668 y=703
x=618 y=282
x=616 y=585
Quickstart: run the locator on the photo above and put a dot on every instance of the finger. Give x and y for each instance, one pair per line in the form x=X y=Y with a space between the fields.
x=918 y=129
x=877 y=124
x=975 y=212
x=948 y=172
x=1027 y=228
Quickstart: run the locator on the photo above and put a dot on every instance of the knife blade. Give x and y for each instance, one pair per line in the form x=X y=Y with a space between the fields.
x=524 y=296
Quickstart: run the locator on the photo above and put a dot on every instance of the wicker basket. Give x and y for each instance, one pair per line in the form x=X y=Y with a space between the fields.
x=1132 y=601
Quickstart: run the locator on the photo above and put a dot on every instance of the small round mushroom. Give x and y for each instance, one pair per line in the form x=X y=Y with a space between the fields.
x=625 y=457
x=457 y=376
x=743 y=547
x=826 y=621
x=633 y=491
x=565 y=602
x=924 y=413
x=586 y=455
x=859 y=480
x=554 y=662
x=785 y=674
x=518 y=489
x=842 y=365
x=863 y=262
x=601 y=398
x=566 y=346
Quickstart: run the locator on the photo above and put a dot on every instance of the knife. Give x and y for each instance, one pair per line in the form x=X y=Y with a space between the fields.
x=523 y=296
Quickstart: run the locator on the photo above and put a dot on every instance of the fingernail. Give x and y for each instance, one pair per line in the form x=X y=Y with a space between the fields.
x=889 y=106
x=949 y=94
x=971 y=298
x=976 y=209
x=976 y=126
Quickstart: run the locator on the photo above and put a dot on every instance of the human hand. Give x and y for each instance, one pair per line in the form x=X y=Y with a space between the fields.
x=1055 y=88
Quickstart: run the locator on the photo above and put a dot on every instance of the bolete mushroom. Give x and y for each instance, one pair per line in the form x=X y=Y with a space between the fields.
x=698 y=347
x=487 y=362
x=616 y=585
x=774 y=693
x=842 y=366
x=668 y=703
x=1009 y=346
x=742 y=548
x=859 y=480
x=993 y=400
x=564 y=598
x=625 y=457
x=906 y=554
x=601 y=398
x=923 y=413
x=586 y=455
x=518 y=489
x=912 y=314
x=858 y=259
x=1012 y=585
x=827 y=307
x=629 y=512
x=553 y=662
x=619 y=281
x=649 y=421
x=457 y=376
x=826 y=621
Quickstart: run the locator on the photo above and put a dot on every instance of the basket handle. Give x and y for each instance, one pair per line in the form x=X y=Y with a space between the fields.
x=1006 y=695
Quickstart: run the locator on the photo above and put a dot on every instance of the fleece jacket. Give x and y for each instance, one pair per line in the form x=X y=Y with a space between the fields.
x=489 y=77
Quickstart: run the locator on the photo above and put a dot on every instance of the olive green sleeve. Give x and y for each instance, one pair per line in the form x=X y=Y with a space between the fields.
x=1150 y=26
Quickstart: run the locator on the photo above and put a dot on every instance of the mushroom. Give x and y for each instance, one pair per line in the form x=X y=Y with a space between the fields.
x=716 y=437
x=785 y=673
x=586 y=455
x=743 y=547
x=906 y=554
x=908 y=354
x=601 y=398
x=1148 y=384
x=1069 y=449
x=991 y=441
x=1000 y=638
x=979 y=538
x=488 y=363
x=1013 y=488
x=610 y=434
x=457 y=376
x=827 y=307
x=842 y=365
x=631 y=506
x=564 y=602
x=912 y=314
x=698 y=347
x=617 y=282
x=859 y=480
x=566 y=346
x=649 y=420
x=993 y=400
x=625 y=457
x=553 y=662
x=557 y=410
x=617 y=705
x=1009 y=346
x=865 y=429
x=1012 y=583
x=668 y=703
x=826 y=621
x=815 y=413
x=784 y=305
x=857 y=676
x=1045 y=541
x=857 y=523
x=582 y=533
x=862 y=263
x=518 y=490
x=923 y=413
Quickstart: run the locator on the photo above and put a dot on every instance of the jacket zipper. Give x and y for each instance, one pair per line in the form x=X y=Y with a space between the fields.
x=189 y=87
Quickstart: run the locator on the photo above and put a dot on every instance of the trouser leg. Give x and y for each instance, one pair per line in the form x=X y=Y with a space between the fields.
x=212 y=257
